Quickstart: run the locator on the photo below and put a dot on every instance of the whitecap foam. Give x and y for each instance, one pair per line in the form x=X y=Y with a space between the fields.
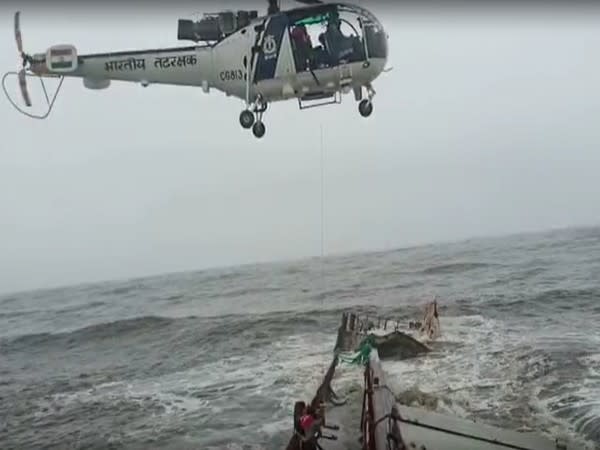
x=236 y=446
x=486 y=376
x=146 y=393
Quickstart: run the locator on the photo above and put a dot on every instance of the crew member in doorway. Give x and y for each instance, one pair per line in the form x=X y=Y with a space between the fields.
x=303 y=45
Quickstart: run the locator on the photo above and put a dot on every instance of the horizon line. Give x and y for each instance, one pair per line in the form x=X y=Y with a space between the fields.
x=331 y=255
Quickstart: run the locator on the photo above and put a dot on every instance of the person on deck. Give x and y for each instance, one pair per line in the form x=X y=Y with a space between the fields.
x=308 y=419
x=299 y=412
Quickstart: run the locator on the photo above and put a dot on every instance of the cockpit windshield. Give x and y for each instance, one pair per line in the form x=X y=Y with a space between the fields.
x=374 y=35
x=332 y=34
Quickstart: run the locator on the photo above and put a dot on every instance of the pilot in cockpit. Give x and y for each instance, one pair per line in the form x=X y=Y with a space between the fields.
x=339 y=46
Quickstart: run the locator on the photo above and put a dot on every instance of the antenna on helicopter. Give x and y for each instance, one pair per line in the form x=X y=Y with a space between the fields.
x=25 y=58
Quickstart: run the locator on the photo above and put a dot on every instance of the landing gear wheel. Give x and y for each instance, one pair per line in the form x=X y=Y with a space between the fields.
x=365 y=108
x=246 y=119
x=258 y=129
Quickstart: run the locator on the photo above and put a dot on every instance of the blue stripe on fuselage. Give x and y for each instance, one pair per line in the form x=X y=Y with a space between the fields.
x=271 y=47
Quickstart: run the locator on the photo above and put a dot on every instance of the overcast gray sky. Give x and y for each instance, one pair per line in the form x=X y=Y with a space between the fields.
x=488 y=124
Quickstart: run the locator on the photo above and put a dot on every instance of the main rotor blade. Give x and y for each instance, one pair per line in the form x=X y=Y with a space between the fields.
x=310 y=2
x=23 y=86
x=18 y=32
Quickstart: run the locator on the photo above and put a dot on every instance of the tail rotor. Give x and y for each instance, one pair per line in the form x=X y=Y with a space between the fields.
x=25 y=59
x=18 y=32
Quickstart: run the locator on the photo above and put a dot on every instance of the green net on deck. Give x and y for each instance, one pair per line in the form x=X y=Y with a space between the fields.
x=361 y=356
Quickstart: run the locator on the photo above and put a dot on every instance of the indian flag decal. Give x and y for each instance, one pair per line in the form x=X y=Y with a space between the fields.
x=62 y=58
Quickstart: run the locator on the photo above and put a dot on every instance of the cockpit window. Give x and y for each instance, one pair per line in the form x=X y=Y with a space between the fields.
x=330 y=35
x=376 y=41
x=324 y=38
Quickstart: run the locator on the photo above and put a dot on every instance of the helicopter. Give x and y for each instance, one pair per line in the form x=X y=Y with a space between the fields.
x=258 y=59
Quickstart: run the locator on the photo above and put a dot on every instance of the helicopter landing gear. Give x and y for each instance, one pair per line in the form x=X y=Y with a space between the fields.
x=365 y=107
x=258 y=129
x=252 y=118
x=246 y=119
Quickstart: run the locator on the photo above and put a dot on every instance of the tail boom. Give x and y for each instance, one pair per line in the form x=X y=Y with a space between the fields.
x=178 y=66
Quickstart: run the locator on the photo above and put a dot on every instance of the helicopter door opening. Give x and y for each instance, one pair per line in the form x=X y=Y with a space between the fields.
x=325 y=39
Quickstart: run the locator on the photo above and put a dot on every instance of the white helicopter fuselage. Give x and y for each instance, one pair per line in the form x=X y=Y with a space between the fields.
x=220 y=67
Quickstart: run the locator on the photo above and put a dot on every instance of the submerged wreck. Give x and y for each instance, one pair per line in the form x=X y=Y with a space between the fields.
x=384 y=423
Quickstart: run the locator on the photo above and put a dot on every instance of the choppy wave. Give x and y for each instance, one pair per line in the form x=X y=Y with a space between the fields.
x=6 y=301
x=203 y=331
x=14 y=314
x=118 y=329
x=560 y=298
x=454 y=268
